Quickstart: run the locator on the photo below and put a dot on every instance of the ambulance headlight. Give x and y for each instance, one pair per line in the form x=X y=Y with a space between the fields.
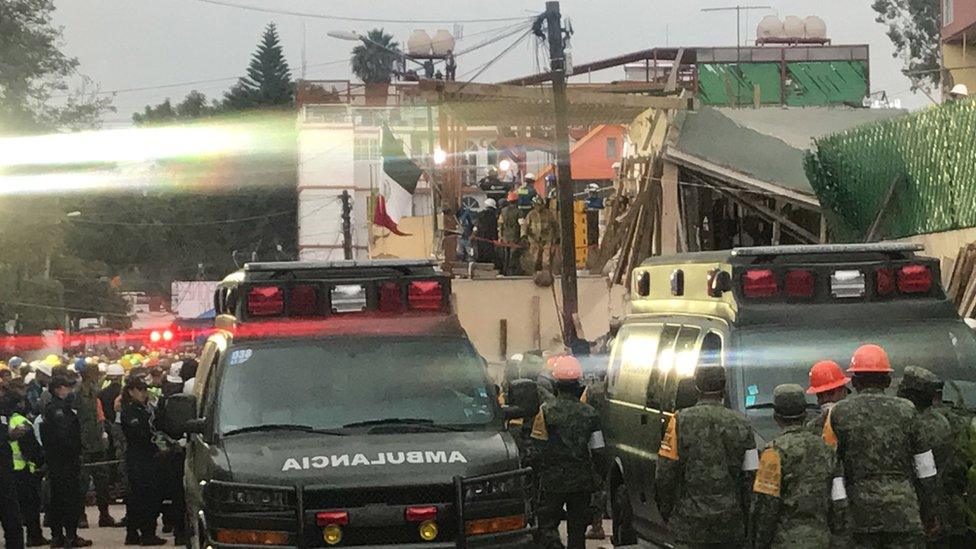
x=504 y=487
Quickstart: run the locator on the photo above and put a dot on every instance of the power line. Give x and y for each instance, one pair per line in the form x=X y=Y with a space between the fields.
x=496 y=58
x=356 y=19
x=191 y=224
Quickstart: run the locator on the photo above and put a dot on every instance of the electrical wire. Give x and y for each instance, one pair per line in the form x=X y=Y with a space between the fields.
x=190 y=224
x=494 y=60
x=487 y=42
x=355 y=19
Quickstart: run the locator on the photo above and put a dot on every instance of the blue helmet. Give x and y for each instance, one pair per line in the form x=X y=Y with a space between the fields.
x=80 y=364
x=15 y=362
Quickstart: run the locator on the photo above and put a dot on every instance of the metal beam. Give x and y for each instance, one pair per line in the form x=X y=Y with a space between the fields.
x=662 y=54
x=455 y=90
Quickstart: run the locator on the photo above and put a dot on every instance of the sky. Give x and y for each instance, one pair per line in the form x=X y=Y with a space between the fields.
x=125 y=44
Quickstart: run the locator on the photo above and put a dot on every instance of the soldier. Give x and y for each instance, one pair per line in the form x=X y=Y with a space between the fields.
x=705 y=470
x=964 y=451
x=889 y=468
x=61 y=439
x=922 y=387
x=542 y=232
x=510 y=234
x=796 y=487
x=829 y=383
x=13 y=531
x=94 y=442
x=568 y=456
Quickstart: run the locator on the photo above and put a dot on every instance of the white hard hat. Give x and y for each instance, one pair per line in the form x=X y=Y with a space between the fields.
x=593 y=187
x=529 y=176
x=960 y=90
x=490 y=203
x=115 y=369
x=174 y=373
x=29 y=377
x=102 y=367
x=44 y=368
x=517 y=357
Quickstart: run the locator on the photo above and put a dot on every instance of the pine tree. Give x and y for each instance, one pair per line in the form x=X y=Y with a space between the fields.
x=268 y=81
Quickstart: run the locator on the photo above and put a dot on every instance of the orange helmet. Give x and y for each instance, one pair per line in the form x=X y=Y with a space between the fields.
x=512 y=196
x=870 y=358
x=826 y=375
x=567 y=368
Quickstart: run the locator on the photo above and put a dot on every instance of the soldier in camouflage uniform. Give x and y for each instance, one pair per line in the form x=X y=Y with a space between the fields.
x=510 y=235
x=799 y=497
x=568 y=458
x=922 y=387
x=595 y=395
x=705 y=469
x=829 y=383
x=889 y=468
x=961 y=520
x=542 y=231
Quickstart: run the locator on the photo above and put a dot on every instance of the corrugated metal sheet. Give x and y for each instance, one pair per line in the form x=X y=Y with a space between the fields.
x=807 y=83
x=932 y=154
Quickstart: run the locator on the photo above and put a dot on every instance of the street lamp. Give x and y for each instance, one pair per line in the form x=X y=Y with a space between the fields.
x=505 y=165
x=440 y=156
x=345 y=35
x=75 y=213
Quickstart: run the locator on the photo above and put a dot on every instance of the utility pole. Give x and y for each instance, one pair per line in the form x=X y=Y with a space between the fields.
x=346 y=225
x=738 y=39
x=564 y=178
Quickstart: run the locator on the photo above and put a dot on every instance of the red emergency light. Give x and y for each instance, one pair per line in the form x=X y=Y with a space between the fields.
x=759 y=283
x=915 y=279
x=800 y=283
x=420 y=514
x=425 y=295
x=884 y=281
x=265 y=301
x=330 y=518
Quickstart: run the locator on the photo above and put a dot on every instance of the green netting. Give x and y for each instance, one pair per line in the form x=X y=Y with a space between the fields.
x=813 y=83
x=728 y=85
x=931 y=155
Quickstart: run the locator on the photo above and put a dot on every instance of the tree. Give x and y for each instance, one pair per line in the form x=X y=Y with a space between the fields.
x=268 y=81
x=33 y=70
x=374 y=59
x=914 y=29
x=193 y=106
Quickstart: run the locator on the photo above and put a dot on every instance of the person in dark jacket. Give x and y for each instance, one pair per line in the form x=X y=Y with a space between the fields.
x=486 y=229
x=171 y=464
x=13 y=531
x=61 y=438
x=94 y=442
x=27 y=458
x=141 y=460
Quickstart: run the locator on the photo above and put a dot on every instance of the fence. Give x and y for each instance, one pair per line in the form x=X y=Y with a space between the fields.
x=926 y=162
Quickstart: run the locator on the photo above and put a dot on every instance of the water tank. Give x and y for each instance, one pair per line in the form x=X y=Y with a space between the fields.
x=793 y=27
x=769 y=27
x=442 y=41
x=418 y=43
x=815 y=27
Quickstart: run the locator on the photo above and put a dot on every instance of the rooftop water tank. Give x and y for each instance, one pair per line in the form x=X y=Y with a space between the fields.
x=793 y=27
x=769 y=27
x=815 y=27
x=442 y=41
x=418 y=43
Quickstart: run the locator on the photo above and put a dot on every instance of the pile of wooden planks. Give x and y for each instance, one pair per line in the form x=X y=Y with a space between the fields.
x=474 y=270
x=961 y=287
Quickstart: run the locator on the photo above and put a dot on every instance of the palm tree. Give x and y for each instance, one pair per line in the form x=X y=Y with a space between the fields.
x=373 y=62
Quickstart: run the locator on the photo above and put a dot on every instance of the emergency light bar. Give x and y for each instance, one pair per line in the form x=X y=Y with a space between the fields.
x=312 y=265
x=881 y=247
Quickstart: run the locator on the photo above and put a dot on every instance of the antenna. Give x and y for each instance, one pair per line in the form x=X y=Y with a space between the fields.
x=738 y=37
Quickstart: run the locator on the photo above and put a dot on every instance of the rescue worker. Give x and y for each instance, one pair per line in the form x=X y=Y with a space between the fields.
x=171 y=464
x=964 y=451
x=143 y=500
x=510 y=234
x=27 y=456
x=486 y=231
x=542 y=232
x=889 y=468
x=921 y=387
x=568 y=458
x=36 y=388
x=494 y=188
x=13 y=531
x=707 y=462
x=94 y=443
x=799 y=497
x=525 y=194
x=111 y=391
x=61 y=438
x=595 y=395
x=829 y=383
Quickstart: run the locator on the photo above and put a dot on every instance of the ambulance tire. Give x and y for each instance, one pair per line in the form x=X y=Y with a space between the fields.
x=621 y=514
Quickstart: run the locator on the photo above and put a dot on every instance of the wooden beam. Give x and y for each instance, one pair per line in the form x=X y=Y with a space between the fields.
x=454 y=90
x=673 y=77
x=787 y=223
x=879 y=217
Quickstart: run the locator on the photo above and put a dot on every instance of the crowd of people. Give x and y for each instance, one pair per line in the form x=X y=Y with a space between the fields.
x=85 y=423
x=866 y=469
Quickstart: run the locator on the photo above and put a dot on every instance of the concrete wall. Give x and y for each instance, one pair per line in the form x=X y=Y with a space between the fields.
x=530 y=312
x=419 y=245
x=960 y=61
x=944 y=245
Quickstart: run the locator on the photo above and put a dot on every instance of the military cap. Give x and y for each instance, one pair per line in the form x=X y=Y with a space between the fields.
x=789 y=401
x=710 y=379
x=919 y=379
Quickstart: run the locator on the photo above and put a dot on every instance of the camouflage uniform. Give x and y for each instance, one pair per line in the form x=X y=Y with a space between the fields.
x=510 y=232
x=888 y=468
x=796 y=486
x=564 y=432
x=542 y=232
x=704 y=474
x=596 y=396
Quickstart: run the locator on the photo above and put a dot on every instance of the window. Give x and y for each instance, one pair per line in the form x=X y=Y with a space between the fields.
x=612 y=151
x=365 y=148
x=632 y=361
x=682 y=366
x=662 y=366
x=947 y=12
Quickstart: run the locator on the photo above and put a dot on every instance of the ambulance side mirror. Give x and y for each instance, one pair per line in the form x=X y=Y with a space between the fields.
x=180 y=416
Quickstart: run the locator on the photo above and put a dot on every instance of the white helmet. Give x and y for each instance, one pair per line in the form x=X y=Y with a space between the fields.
x=115 y=369
x=490 y=203
x=529 y=176
x=960 y=90
x=174 y=373
x=102 y=367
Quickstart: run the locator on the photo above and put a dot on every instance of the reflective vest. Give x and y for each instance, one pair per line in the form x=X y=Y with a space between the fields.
x=20 y=463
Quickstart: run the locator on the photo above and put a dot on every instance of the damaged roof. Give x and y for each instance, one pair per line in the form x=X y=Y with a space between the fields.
x=762 y=147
